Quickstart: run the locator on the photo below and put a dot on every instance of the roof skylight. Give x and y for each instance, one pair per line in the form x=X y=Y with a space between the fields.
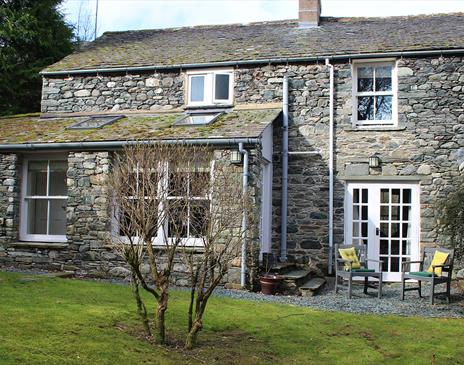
x=96 y=122
x=198 y=119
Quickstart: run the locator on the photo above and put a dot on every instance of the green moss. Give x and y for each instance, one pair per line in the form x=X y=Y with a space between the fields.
x=30 y=129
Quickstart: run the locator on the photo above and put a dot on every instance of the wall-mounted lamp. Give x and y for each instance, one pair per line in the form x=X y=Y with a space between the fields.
x=235 y=157
x=374 y=161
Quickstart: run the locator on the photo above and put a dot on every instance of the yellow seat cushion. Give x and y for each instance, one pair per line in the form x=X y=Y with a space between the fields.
x=350 y=254
x=439 y=258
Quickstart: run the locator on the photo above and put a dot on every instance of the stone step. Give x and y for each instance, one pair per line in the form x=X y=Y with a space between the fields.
x=282 y=268
x=296 y=275
x=311 y=287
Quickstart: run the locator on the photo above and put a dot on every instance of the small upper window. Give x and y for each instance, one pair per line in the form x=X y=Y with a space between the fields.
x=374 y=86
x=210 y=88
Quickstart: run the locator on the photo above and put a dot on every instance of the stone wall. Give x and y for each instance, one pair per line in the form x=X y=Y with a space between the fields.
x=88 y=250
x=88 y=210
x=428 y=141
x=158 y=91
x=9 y=197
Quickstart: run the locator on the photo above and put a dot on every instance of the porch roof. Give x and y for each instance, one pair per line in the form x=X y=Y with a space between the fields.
x=27 y=129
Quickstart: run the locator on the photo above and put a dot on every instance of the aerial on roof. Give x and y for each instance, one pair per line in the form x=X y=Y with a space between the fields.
x=261 y=41
x=33 y=129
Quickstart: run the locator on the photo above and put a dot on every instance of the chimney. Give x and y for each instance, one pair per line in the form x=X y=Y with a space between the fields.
x=309 y=13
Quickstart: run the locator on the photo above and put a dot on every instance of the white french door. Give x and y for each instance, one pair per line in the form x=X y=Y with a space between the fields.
x=386 y=218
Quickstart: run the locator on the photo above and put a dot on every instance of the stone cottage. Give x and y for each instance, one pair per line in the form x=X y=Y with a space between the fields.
x=354 y=129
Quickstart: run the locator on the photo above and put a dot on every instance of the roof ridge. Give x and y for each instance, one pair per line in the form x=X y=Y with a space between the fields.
x=282 y=22
x=205 y=26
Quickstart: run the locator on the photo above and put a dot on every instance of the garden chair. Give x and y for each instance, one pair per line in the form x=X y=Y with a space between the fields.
x=440 y=267
x=350 y=267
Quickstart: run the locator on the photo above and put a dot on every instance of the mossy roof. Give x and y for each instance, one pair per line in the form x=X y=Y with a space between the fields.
x=33 y=129
x=264 y=40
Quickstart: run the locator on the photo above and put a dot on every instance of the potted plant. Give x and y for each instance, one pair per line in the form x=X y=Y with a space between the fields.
x=269 y=282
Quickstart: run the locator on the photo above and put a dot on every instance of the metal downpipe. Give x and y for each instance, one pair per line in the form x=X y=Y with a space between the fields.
x=284 y=200
x=243 y=265
x=331 y=163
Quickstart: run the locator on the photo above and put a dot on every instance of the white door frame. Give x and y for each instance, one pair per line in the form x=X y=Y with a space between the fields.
x=372 y=233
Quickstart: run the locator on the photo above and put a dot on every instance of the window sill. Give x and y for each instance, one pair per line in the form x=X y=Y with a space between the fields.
x=374 y=129
x=209 y=108
x=51 y=245
x=193 y=249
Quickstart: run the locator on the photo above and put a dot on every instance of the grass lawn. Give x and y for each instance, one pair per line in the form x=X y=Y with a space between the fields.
x=61 y=321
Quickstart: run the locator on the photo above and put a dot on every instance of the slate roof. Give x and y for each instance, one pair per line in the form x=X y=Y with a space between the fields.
x=205 y=44
x=236 y=124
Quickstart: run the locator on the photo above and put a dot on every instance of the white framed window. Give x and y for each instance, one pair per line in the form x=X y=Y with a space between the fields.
x=210 y=87
x=191 y=223
x=44 y=198
x=375 y=86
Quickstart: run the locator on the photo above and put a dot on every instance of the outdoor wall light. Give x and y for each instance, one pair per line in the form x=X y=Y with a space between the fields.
x=374 y=161
x=235 y=157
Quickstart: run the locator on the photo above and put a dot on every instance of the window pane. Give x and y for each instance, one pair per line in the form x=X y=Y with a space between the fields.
x=199 y=218
x=126 y=225
x=355 y=195
x=384 y=231
x=406 y=196
x=57 y=223
x=178 y=220
x=222 y=87
x=395 y=195
x=395 y=230
x=366 y=108
x=37 y=216
x=364 y=213
x=395 y=264
x=384 y=196
x=197 y=88
x=383 y=78
x=37 y=178
x=365 y=79
x=395 y=210
x=364 y=229
x=406 y=213
x=395 y=247
x=178 y=184
x=199 y=182
x=364 y=195
x=383 y=108
x=406 y=248
x=384 y=213
x=384 y=247
x=58 y=184
x=384 y=263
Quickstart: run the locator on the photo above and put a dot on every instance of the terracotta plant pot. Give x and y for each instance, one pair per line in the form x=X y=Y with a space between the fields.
x=269 y=284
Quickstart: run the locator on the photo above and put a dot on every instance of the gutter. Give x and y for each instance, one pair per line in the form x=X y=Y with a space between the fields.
x=280 y=60
x=243 y=265
x=284 y=200
x=331 y=163
x=108 y=145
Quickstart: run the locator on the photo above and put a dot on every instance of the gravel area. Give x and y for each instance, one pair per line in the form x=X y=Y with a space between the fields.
x=326 y=299
x=390 y=304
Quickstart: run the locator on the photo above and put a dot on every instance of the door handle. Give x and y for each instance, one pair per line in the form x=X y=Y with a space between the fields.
x=377 y=231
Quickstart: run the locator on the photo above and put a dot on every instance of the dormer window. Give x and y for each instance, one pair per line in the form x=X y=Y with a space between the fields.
x=206 y=88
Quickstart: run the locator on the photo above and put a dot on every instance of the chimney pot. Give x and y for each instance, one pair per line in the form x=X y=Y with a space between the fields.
x=309 y=13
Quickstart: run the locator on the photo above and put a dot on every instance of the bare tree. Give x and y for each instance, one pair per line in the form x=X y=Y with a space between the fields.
x=215 y=204
x=144 y=181
x=176 y=200
x=84 y=25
